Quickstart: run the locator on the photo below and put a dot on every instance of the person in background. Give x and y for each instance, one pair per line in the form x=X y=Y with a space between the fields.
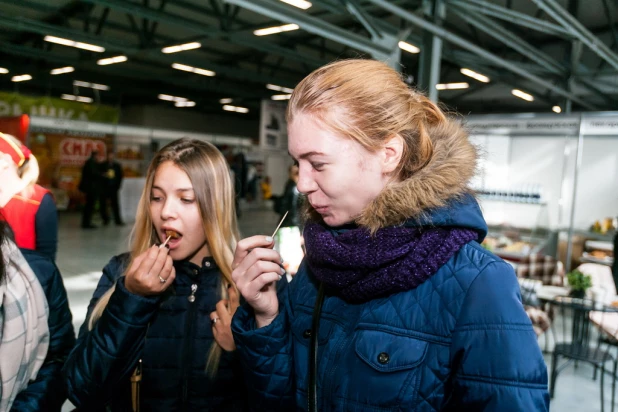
x=89 y=185
x=289 y=242
x=112 y=180
x=396 y=305
x=164 y=313
x=28 y=208
x=267 y=189
x=252 y=182
x=37 y=329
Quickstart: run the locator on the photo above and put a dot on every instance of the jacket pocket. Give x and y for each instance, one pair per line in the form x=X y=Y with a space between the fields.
x=389 y=365
x=386 y=352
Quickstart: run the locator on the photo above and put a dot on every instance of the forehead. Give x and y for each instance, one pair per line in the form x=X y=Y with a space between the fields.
x=306 y=135
x=168 y=175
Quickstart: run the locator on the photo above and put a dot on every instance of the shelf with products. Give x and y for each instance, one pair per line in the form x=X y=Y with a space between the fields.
x=514 y=244
x=598 y=251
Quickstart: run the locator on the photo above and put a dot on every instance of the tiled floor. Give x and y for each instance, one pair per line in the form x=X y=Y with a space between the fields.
x=83 y=253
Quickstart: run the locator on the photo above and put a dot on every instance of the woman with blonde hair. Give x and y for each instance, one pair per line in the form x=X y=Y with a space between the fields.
x=28 y=208
x=396 y=305
x=157 y=335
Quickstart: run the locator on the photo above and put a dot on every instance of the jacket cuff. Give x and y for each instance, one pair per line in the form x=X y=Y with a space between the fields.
x=268 y=339
x=131 y=308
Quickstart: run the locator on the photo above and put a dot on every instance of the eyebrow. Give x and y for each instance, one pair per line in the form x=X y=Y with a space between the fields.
x=190 y=189
x=308 y=154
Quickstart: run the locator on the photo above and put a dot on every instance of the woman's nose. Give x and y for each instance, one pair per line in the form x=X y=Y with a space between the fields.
x=169 y=210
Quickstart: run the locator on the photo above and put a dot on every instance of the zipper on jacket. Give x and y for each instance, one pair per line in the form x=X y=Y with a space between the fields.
x=188 y=344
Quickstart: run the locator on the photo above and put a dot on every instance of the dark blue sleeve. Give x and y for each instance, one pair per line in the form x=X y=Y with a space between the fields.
x=46 y=227
x=105 y=356
x=496 y=359
x=48 y=391
x=266 y=357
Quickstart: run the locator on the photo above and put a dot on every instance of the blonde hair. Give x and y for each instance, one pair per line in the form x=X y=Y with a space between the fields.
x=367 y=101
x=209 y=174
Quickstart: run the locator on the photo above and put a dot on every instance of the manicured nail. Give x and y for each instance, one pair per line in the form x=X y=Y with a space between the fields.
x=269 y=239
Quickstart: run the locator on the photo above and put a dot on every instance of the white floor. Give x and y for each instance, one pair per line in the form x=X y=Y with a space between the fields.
x=83 y=253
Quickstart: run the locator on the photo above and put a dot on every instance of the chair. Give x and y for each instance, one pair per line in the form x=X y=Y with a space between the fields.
x=534 y=271
x=578 y=345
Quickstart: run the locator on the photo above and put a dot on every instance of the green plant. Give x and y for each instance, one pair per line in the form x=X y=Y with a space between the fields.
x=578 y=281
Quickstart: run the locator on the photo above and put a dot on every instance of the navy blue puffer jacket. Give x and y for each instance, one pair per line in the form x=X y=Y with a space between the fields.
x=460 y=341
x=48 y=391
x=170 y=334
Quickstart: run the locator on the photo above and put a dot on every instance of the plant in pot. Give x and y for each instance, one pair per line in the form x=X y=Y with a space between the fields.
x=579 y=283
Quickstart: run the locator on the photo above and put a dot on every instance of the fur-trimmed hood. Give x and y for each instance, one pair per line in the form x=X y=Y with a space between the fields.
x=444 y=179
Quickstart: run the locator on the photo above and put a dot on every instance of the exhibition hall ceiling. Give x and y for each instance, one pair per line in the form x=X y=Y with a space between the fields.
x=497 y=56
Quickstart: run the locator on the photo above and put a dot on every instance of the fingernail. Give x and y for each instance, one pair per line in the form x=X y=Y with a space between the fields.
x=269 y=239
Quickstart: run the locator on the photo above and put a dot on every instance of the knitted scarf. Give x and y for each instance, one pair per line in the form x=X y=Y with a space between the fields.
x=362 y=267
x=24 y=334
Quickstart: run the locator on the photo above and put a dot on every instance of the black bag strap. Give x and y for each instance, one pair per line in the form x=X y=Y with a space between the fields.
x=313 y=351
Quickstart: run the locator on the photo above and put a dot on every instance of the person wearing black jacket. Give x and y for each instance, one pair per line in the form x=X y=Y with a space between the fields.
x=48 y=391
x=112 y=180
x=89 y=185
x=165 y=312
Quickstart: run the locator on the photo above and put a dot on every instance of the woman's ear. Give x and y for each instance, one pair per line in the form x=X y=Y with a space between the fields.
x=392 y=151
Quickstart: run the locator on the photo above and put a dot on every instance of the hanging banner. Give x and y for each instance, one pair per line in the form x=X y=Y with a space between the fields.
x=13 y=104
x=61 y=155
x=273 y=127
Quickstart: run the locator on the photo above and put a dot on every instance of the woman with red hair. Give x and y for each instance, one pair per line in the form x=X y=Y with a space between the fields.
x=28 y=208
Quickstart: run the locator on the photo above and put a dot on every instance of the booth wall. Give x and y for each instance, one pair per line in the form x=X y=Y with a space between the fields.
x=549 y=161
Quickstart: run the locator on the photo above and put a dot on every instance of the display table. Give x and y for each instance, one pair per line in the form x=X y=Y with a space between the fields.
x=129 y=195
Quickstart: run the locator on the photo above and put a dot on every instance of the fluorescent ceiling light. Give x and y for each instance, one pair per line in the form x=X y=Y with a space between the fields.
x=279 y=88
x=82 y=99
x=190 y=69
x=522 y=95
x=21 y=78
x=281 y=97
x=72 y=43
x=3 y=70
x=172 y=98
x=226 y=100
x=187 y=103
x=62 y=70
x=452 y=86
x=475 y=75
x=301 y=4
x=96 y=86
x=181 y=47
x=276 y=29
x=556 y=109
x=112 y=60
x=410 y=48
x=235 y=109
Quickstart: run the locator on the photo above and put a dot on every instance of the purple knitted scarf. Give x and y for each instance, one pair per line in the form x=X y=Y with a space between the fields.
x=362 y=267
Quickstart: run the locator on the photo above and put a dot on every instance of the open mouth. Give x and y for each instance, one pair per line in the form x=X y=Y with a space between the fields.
x=173 y=235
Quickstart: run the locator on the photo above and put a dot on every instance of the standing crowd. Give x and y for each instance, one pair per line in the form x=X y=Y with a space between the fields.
x=394 y=305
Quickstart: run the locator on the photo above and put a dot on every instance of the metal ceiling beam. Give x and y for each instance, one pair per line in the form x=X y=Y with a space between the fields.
x=490 y=57
x=216 y=85
x=510 y=39
x=240 y=39
x=367 y=21
x=155 y=56
x=277 y=10
x=596 y=45
x=512 y=16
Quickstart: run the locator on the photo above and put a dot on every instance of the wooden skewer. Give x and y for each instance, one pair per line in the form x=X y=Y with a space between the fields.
x=165 y=243
x=278 y=226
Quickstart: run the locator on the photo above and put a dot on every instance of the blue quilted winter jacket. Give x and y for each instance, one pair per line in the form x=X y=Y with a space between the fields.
x=460 y=341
